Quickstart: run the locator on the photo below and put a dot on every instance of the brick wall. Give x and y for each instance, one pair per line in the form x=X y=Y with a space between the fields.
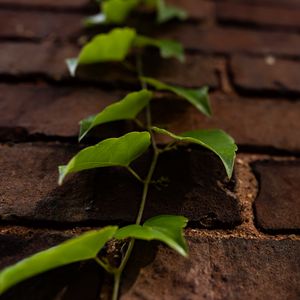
x=243 y=235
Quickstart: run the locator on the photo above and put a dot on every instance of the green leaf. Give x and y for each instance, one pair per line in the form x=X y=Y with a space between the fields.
x=117 y=11
x=214 y=139
x=110 y=152
x=112 y=46
x=167 y=12
x=77 y=249
x=165 y=228
x=197 y=97
x=126 y=109
x=167 y=48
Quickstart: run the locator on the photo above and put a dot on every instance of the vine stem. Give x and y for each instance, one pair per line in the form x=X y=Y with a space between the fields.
x=146 y=183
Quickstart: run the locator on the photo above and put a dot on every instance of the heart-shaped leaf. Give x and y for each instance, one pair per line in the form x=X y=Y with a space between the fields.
x=167 y=229
x=110 y=152
x=215 y=140
x=112 y=46
x=126 y=109
x=167 y=12
x=77 y=249
x=197 y=97
x=167 y=48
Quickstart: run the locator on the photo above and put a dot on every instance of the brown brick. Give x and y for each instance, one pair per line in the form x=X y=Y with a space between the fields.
x=39 y=25
x=76 y=281
x=259 y=15
x=249 y=120
x=27 y=59
x=266 y=74
x=277 y=206
x=70 y=4
x=196 y=9
x=49 y=111
x=29 y=188
x=49 y=61
x=228 y=40
x=232 y=268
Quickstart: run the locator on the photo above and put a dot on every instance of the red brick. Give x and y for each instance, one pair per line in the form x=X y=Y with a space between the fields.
x=39 y=25
x=266 y=74
x=217 y=268
x=249 y=121
x=228 y=40
x=29 y=190
x=49 y=62
x=259 y=15
x=277 y=206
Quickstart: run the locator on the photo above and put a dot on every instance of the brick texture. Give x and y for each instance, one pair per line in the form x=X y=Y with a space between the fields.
x=82 y=199
x=243 y=233
x=48 y=111
x=277 y=206
x=231 y=268
x=39 y=25
x=258 y=15
x=266 y=74
x=46 y=3
x=49 y=63
x=232 y=40
x=250 y=121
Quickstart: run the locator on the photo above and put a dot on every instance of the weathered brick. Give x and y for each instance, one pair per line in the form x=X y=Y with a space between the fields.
x=76 y=281
x=277 y=206
x=39 y=25
x=266 y=74
x=259 y=14
x=49 y=62
x=232 y=268
x=48 y=111
x=250 y=121
x=231 y=40
x=29 y=188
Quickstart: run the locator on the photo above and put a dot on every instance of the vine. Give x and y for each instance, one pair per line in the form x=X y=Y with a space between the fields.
x=116 y=46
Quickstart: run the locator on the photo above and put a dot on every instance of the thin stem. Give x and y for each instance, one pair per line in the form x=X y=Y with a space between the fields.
x=105 y=266
x=117 y=279
x=135 y=174
x=118 y=272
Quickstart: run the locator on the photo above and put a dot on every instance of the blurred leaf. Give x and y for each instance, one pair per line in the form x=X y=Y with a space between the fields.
x=112 y=46
x=197 y=97
x=214 y=139
x=167 y=229
x=83 y=247
x=167 y=48
x=94 y=20
x=166 y=12
x=117 y=11
x=126 y=109
x=110 y=152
